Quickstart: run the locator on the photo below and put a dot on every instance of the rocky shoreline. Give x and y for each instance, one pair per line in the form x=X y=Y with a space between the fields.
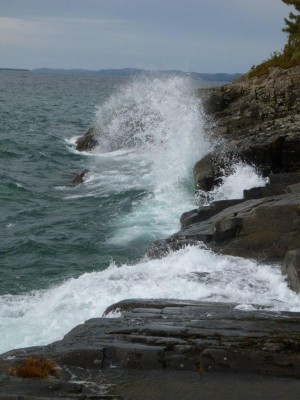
x=197 y=338
x=256 y=121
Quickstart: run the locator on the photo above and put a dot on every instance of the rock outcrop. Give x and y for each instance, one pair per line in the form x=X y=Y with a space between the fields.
x=163 y=335
x=263 y=228
x=88 y=141
x=291 y=268
x=79 y=178
x=264 y=225
x=257 y=120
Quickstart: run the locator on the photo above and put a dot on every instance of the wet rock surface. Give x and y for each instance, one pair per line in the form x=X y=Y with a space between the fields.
x=79 y=178
x=291 y=268
x=257 y=120
x=88 y=141
x=199 y=338
x=264 y=225
x=263 y=228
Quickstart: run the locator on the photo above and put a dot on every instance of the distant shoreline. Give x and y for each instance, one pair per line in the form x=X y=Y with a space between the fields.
x=220 y=77
x=15 y=69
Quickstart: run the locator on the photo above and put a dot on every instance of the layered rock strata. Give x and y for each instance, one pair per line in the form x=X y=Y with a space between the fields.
x=200 y=337
x=265 y=224
x=256 y=120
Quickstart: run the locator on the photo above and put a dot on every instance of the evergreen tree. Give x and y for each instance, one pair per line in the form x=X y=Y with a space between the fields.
x=290 y=55
x=292 y=48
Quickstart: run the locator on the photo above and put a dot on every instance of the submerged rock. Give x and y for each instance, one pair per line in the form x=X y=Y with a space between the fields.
x=79 y=178
x=88 y=141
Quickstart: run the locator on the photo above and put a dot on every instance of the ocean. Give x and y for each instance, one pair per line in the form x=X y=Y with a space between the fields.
x=68 y=251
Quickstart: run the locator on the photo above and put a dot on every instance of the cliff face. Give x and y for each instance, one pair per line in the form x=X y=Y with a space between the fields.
x=256 y=120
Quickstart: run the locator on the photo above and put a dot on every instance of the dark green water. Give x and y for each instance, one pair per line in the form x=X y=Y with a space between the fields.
x=44 y=237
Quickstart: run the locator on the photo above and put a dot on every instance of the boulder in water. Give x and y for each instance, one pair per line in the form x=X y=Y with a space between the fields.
x=79 y=178
x=87 y=142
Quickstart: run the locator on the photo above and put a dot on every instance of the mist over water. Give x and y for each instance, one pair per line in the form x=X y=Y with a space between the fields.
x=140 y=181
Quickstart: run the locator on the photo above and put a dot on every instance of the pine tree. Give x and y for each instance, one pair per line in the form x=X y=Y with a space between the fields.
x=290 y=55
x=292 y=48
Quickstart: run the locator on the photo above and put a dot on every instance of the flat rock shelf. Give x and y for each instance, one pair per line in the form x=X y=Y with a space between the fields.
x=142 y=347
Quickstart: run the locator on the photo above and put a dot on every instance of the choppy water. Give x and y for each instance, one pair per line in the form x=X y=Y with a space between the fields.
x=67 y=252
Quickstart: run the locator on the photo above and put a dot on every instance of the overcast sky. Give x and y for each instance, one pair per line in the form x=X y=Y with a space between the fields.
x=190 y=35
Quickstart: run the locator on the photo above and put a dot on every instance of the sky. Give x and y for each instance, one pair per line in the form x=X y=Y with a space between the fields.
x=190 y=35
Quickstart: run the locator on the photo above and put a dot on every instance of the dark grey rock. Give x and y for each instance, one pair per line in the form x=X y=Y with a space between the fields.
x=291 y=268
x=257 y=121
x=293 y=188
x=227 y=229
x=284 y=178
x=194 y=216
x=188 y=218
x=85 y=357
x=207 y=173
x=205 y=212
x=160 y=335
x=253 y=193
x=221 y=205
x=88 y=141
x=79 y=178
x=261 y=228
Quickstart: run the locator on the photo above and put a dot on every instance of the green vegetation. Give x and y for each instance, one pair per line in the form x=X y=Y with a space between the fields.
x=290 y=55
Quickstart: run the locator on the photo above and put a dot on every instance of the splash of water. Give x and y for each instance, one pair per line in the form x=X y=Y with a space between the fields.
x=158 y=118
x=241 y=177
x=151 y=131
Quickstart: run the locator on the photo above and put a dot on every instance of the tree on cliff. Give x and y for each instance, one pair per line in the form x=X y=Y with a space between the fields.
x=290 y=55
x=292 y=48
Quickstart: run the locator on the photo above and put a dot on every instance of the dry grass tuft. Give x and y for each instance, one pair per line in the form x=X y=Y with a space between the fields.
x=283 y=60
x=34 y=367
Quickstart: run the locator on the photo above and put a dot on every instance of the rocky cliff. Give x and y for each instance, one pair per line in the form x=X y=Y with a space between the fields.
x=256 y=120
